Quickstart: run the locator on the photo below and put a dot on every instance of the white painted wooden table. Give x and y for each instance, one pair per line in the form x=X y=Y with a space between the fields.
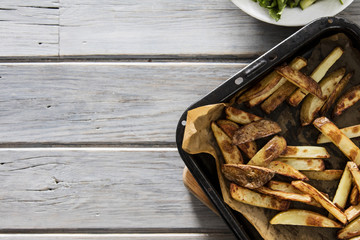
x=90 y=95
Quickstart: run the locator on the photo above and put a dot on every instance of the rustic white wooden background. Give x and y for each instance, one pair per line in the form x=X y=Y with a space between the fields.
x=91 y=91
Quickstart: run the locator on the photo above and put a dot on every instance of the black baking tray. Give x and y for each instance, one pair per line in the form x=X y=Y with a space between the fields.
x=299 y=44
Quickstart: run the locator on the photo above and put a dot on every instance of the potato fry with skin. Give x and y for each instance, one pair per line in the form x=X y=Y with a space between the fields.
x=312 y=104
x=331 y=131
x=253 y=198
x=354 y=196
x=278 y=97
x=296 y=64
x=304 y=218
x=350 y=132
x=247 y=176
x=343 y=189
x=324 y=201
x=355 y=172
x=304 y=163
x=326 y=175
x=335 y=94
x=301 y=80
x=229 y=127
x=286 y=170
x=352 y=212
x=305 y=152
x=266 y=84
x=351 y=230
x=317 y=75
x=230 y=152
x=285 y=195
x=240 y=116
x=287 y=187
x=255 y=130
x=269 y=152
x=351 y=97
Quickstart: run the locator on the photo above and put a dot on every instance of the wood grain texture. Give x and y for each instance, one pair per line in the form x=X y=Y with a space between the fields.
x=101 y=102
x=188 y=236
x=29 y=28
x=81 y=189
x=191 y=27
x=200 y=27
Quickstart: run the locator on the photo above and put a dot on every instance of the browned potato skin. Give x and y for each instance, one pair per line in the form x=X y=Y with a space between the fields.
x=269 y=152
x=354 y=196
x=261 y=87
x=278 y=97
x=253 y=198
x=240 y=116
x=229 y=151
x=330 y=130
x=301 y=80
x=255 y=130
x=351 y=97
x=247 y=176
x=229 y=127
x=335 y=94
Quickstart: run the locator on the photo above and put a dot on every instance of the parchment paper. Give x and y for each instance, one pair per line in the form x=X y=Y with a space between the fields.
x=198 y=138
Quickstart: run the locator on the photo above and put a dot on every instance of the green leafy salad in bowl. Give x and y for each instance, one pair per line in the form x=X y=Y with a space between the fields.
x=276 y=7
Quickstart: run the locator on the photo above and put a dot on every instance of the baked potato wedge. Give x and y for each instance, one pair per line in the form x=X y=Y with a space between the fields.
x=331 y=131
x=314 y=164
x=286 y=170
x=350 y=132
x=351 y=230
x=354 y=196
x=335 y=94
x=317 y=75
x=322 y=199
x=287 y=187
x=247 y=176
x=253 y=198
x=325 y=175
x=229 y=127
x=305 y=152
x=304 y=218
x=312 y=104
x=301 y=80
x=351 y=97
x=240 y=116
x=352 y=212
x=355 y=173
x=296 y=64
x=262 y=87
x=269 y=152
x=255 y=130
x=278 y=97
x=229 y=151
x=285 y=195
x=343 y=189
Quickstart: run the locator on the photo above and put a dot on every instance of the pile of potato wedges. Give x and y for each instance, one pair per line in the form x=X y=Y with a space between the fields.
x=251 y=170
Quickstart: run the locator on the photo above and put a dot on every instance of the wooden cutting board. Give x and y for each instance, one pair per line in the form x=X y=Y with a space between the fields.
x=192 y=185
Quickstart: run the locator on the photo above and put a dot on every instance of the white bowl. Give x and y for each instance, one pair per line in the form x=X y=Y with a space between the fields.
x=294 y=17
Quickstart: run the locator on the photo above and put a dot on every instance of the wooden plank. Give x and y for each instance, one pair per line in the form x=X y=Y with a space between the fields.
x=100 y=189
x=101 y=102
x=29 y=28
x=191 y=27
x=188 y=236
